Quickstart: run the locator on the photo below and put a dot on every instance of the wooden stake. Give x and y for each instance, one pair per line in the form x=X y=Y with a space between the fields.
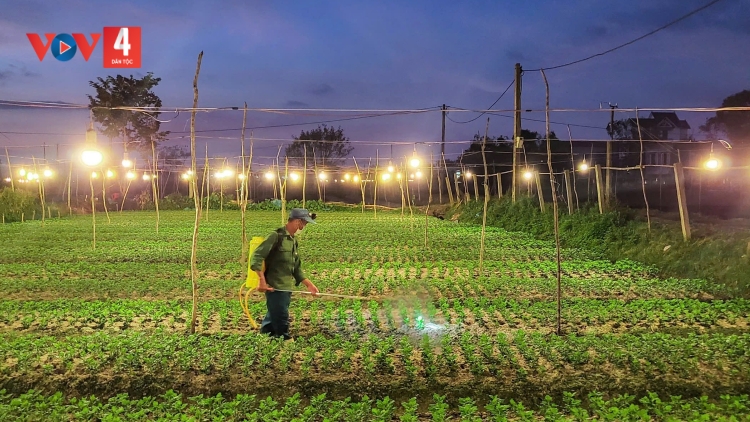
x=154 y=184
x=486 y=199
x=10 y=171
x=304 y=176
x=450 y=191
x=70 y=182
x=197 y=202
x=476 y=187
x=599 y=193
x=448 y=180
x=499 y=186
x=458 y=192
x=243 y=197
x=375 y=193
x=679 y=179
x=555 y=216
x=640 y=168
x=568 y=191
x=429 y=201
x=93 y=213
x=361 y=184
x=127 y=189
x=539 y=191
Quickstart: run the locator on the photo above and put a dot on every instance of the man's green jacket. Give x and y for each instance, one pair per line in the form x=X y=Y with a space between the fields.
x=283 y=266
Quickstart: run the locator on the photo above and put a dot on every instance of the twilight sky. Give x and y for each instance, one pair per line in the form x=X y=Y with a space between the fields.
x=376 y=55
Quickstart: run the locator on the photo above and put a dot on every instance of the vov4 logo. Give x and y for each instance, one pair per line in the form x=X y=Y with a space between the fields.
x=122 y=46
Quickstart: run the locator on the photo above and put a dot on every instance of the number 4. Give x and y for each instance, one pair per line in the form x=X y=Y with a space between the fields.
x=121 y=43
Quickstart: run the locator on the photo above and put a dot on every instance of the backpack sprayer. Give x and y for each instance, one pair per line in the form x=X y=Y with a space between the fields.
x=252 y=281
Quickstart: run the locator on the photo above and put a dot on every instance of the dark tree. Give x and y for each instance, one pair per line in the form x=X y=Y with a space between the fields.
x=329 y=147
x=137 y=129
x=734 y=124
x=624 y=129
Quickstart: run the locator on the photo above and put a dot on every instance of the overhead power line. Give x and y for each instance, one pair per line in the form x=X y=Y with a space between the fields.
x=493 y=104
x=680 y=19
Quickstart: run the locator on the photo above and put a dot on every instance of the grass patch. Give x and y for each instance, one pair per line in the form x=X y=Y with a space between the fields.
x=716 y=255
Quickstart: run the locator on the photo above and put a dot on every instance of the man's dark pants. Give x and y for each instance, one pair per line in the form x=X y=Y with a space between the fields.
x=276 y=322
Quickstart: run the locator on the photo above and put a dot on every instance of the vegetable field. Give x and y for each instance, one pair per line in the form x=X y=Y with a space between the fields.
x=101 y=334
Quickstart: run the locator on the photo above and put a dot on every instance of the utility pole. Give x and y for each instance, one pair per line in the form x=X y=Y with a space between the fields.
x=442 y=154
x=608 y=181
x=517 y=141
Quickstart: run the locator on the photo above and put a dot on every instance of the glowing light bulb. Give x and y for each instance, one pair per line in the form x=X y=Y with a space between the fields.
x=92 y=157
x=47 y=173
x=127 y=163
x=347 y=177
x=528 y=175
x=583 y=166
x=269 y=175
x=94 y=175
x=110 y=174
x=294 y=176
x=322 y=176
x=22 y=172
x=356 y=178
x=418 y=174
x=146 y=177
x=130 y=175
x=390 y=169
x=713 y=164
x=414 y=162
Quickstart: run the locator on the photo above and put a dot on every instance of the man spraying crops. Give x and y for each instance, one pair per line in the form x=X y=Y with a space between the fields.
x=283 y=271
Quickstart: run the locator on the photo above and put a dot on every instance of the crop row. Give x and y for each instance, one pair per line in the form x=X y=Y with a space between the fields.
x=33 y=405
x=579 y=315
x=132 y=238
x=165 y=281
x=529 y=362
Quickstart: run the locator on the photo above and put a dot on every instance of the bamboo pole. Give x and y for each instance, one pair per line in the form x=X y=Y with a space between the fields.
x=448 y=181
x=539 y=191
x=243 y=197
x=375 y=191
x=104 y=196
x=568 y=191
x=207 y=182
x=317 y=175
x=499 y=186
x=429 y=202
x=679 y=179
x=281 y=186
x=283 y=197
x=476 y=187
x=640 y=168
x=554 y=211
x=194 y=247
x=573 y=163
x=40 y=186
x=155 y=183
x=10 y=171
x=93 y=212
x=250 y=164
x=127 y=189
x=486 y=199
x=409 y=201
x=450 y=192
x=304 y=176
x=361 y=184
x=70 y=182
x=599 y=193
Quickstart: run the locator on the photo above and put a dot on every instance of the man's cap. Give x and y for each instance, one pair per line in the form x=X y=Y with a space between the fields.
x=302 y=214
